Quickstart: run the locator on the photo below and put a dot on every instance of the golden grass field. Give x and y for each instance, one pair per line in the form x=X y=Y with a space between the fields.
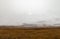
x=35 y=33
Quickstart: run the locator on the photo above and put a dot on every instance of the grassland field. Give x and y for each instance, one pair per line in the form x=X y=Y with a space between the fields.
x=34 y=33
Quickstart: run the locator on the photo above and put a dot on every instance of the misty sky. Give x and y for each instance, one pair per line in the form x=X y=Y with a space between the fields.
x=16 y=12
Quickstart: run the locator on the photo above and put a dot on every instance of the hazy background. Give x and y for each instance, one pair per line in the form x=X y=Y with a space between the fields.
x=16 y=12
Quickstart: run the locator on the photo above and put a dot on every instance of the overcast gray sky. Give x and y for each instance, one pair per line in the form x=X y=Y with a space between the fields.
x=15 y=12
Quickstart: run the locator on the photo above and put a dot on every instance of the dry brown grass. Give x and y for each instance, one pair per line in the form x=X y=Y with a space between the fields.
x=41 y=33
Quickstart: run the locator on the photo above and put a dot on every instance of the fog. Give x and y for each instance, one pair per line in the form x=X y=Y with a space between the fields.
x=16 y=12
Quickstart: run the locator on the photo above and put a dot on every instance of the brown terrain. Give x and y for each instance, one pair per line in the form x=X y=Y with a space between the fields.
x=29 y=33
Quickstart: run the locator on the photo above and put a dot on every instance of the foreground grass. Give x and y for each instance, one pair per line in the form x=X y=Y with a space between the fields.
x=41 y=33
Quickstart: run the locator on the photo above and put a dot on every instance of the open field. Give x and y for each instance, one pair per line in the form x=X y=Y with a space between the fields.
x=34 y=33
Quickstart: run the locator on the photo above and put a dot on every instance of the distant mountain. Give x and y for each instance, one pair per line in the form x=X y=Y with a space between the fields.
x=52 y=22
x=44 y=23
